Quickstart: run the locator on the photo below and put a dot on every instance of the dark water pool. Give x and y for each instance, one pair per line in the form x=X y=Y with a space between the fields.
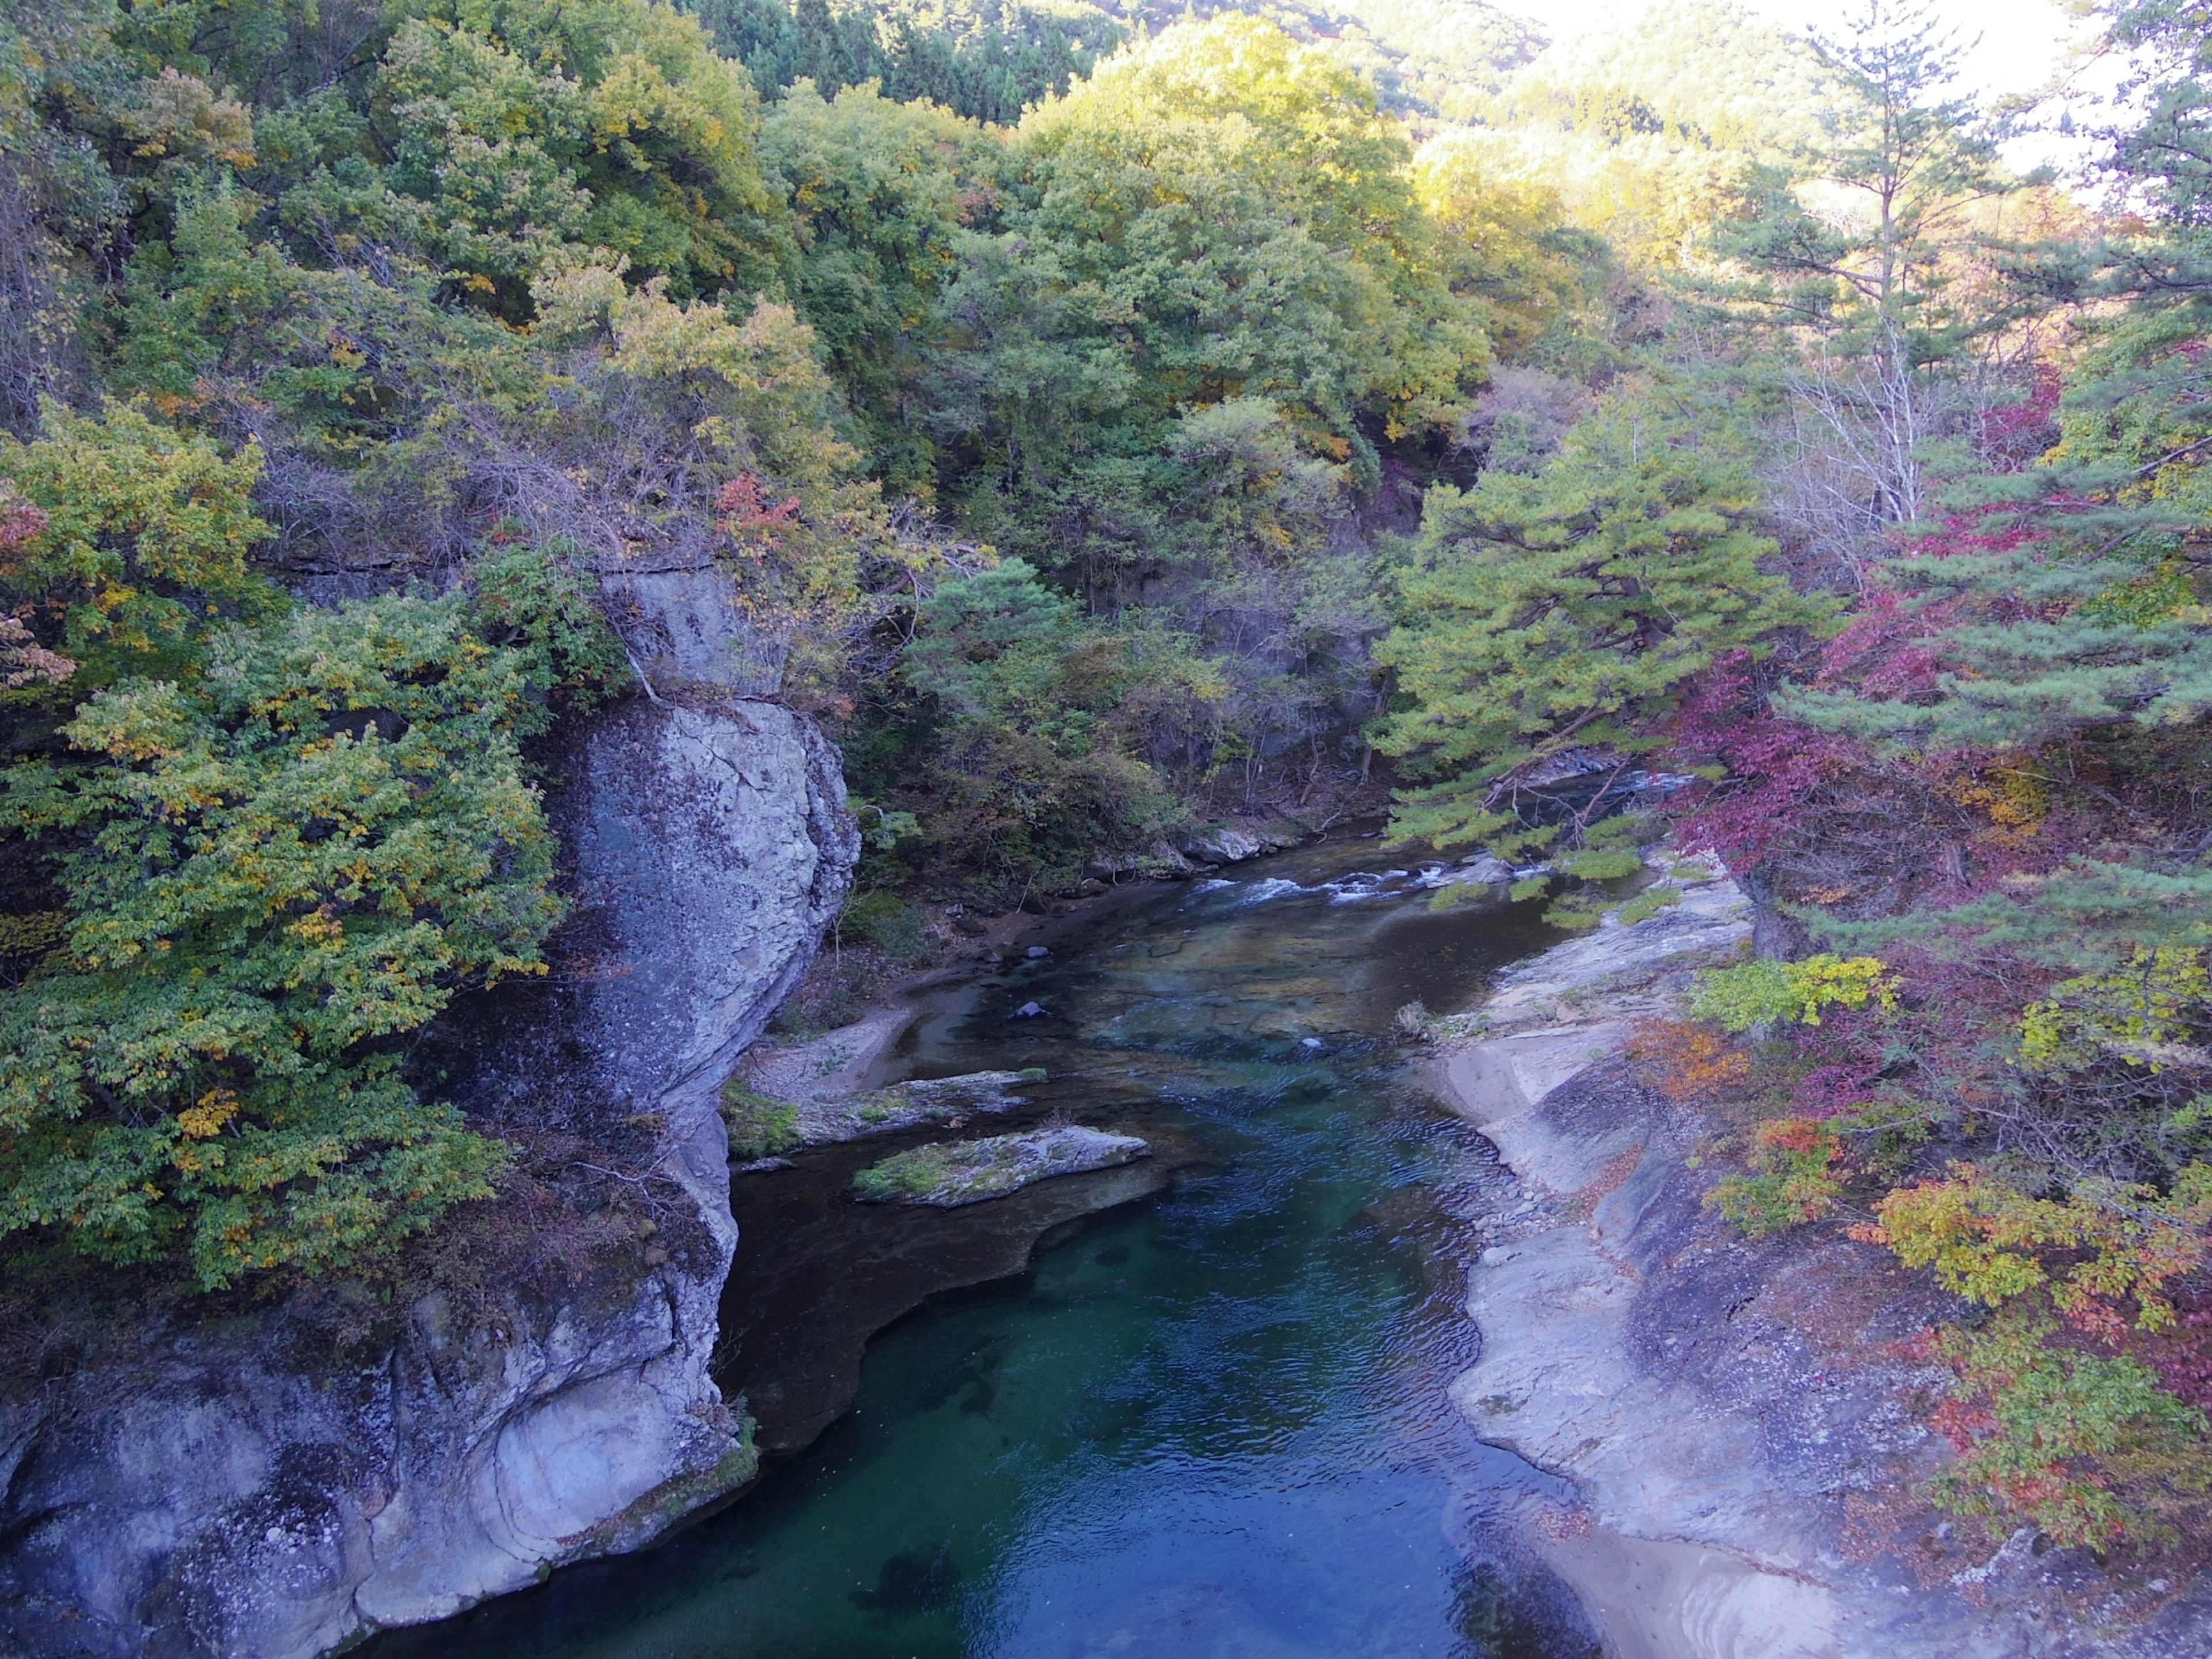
x=1212 y=1422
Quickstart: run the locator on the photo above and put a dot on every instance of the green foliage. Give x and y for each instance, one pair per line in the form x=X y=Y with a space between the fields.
x=1879 y=276
x=988 y=63
x=2088 y=1449
x=880 y=192
x=1768 y=993
x=534 y=603
x=759 y=1127
x=883 y=830
x=1569 y=610
x=888 y=923
x=1608 y=850
x=1219 y=214
x=1043 y=718
x=271 y=871
x=2143 y=1015
x=732 y=420
x=139 y=537
x=1794 y=1180
x=610 y=124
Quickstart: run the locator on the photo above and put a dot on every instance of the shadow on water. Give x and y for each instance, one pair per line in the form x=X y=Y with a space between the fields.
x=1206 y=1416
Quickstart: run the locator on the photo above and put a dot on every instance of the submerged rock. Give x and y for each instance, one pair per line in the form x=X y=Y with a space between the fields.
x=949 y=1173
x=1484 y=868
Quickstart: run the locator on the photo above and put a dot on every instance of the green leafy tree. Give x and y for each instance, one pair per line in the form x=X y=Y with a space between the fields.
x=880 y=192
x=610 y=123
x=271 y=873
x=137 y=535
x=1218 y=214
x=1043 y=718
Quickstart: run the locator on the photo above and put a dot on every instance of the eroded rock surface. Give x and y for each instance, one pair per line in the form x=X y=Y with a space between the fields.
x=1732 y=1413
x=233 y=1488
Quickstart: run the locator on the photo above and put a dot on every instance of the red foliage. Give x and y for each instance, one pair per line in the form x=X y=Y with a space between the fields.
x=1772 y=764
x=2182 y=1354
x=2012 y=437
x=1960 y=1424
x=1791 y=1134
x=746 y=512
x=20 y=521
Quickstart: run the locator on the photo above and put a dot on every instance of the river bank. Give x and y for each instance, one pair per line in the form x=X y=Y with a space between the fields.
x=1734 y=1416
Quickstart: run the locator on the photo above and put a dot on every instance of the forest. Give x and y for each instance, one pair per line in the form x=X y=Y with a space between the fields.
x=1120 y=420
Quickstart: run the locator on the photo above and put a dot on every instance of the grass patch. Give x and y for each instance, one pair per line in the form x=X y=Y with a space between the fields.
x=759 y=1127
x=912 y=1174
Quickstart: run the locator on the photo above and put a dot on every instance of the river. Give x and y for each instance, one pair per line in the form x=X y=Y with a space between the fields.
x=1210 y=1421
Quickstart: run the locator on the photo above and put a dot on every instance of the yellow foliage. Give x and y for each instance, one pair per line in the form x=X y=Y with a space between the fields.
x=2141 y=1014
x=1989 y=1241
x=2012 y=796
x=204 y=1120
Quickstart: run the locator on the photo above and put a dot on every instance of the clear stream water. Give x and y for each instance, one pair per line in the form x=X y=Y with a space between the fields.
x=1209 y=1422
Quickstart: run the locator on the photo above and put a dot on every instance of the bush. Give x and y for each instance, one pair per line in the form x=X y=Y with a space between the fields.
x=1764 y=992
x=2088 y=1449
x=273 y=872
x=1795 y=1182
x=530 y=601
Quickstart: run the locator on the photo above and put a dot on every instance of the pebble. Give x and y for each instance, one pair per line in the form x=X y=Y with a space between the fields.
x=1310 y=1043
x=1036 y=953
x=1030 y=1011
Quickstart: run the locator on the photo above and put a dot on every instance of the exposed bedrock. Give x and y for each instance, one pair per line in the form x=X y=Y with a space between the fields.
x=1733 y=1413
x=236 y=1486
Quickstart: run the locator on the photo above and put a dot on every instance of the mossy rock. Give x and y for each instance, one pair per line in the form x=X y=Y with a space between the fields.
x=759 y=1126
x=949 y=1173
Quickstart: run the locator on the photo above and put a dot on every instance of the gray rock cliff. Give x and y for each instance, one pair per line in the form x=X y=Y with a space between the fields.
x=236 y=1486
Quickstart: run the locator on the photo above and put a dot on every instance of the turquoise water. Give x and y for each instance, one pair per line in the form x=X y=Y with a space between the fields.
x=1212 y=1422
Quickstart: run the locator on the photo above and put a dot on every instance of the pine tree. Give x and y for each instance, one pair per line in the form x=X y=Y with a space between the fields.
x=1567 y=610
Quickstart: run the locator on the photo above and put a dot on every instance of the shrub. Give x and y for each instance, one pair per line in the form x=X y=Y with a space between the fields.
x=1794 y=1183
x=2088 y=1449
x=2145 y=1014
x=1764 y=992
x=272 y=871
x=1691 y=1062
x=888 y=923
x=2114 y=1241
x=530 y=601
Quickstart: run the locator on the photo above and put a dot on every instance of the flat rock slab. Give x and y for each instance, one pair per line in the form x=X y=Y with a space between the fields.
x=825 y=1122
x=948 y=1174
x=1622 y=973
x=833 y=1066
